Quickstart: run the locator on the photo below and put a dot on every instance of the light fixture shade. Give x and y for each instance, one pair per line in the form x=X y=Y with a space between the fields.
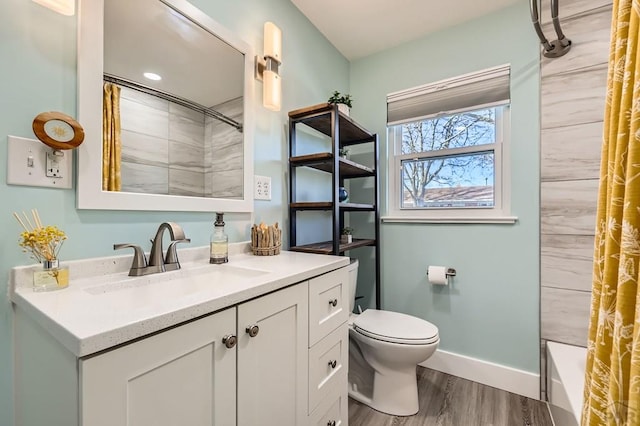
x=272 y=42
x=272 y=91
x=64 y=7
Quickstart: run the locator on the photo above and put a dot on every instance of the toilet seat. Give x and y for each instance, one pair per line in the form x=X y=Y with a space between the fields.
x=394 y=327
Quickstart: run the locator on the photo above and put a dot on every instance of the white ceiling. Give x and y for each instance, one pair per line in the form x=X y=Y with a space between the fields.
x=358 y=28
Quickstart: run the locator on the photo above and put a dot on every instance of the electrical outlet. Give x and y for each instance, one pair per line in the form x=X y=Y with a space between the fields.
x=32 y=163
x=262 y=187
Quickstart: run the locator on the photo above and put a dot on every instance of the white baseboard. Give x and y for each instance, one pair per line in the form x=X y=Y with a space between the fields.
x=490 y=374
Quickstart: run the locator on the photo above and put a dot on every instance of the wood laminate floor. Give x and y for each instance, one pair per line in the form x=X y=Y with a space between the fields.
x=451 y=401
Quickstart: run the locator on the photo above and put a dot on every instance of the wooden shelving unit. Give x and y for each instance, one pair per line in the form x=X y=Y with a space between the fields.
x=326 y=247
x=344 y=132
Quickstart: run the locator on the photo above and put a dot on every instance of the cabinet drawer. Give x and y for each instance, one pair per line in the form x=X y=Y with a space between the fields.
x=328 y=303
x=328 y=361
x=332 y=409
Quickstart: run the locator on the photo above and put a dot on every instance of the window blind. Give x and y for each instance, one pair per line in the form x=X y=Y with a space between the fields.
x=477 y=90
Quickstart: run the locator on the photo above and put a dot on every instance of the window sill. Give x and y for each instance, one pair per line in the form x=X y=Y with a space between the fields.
x=508 y=220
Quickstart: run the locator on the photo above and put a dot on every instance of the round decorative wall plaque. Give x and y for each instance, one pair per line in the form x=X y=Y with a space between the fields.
x=58 y=130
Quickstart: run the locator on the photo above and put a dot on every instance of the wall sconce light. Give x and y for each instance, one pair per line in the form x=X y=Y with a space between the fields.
x=64 y=7
x=267 y=67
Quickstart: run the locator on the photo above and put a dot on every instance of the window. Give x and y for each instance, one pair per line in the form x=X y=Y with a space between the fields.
x=449 y=166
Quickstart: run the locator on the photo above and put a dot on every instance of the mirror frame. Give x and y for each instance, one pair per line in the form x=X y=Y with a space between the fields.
x=89 y=193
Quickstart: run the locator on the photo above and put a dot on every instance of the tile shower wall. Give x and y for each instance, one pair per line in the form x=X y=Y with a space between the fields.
x=145 y=142
x=166 y=141
x=186 y=151
x=572 y=108
x=223 y=153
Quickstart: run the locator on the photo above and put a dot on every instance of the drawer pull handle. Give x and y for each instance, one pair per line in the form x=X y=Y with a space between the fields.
x=229 y=340
x=252 y=330
x=333 y=302
x=331 y=423
x=333 y=363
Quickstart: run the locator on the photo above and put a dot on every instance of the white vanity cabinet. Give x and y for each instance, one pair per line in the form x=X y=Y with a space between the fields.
x=272 y=365
x=187 y=375
x=192 y=374
x=182 y=376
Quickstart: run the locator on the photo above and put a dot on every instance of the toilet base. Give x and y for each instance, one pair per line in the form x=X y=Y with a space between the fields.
x=396 y=395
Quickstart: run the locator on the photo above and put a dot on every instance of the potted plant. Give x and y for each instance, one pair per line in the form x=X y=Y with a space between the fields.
x=347 y=235
x=344 y=102
x=344 y=152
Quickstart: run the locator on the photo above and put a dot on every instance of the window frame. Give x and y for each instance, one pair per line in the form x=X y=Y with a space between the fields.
x=499 y=213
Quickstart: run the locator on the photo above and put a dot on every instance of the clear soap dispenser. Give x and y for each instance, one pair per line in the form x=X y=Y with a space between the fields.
x=219 y=242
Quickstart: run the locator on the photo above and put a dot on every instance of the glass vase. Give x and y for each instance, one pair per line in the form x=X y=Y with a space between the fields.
x=52 y=276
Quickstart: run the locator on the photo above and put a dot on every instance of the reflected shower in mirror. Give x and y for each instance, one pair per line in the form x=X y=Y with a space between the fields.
x=172 y=106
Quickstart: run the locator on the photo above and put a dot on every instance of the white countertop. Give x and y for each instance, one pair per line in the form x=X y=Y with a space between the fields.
x=104 y=307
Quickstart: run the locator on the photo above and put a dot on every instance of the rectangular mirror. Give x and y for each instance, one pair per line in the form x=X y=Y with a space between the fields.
x=178 y=139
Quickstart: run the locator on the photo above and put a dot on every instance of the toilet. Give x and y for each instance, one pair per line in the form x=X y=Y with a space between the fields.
x=384 y=349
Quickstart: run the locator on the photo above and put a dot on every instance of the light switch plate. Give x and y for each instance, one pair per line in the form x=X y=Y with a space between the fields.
x=27 y=164
x=262 y=188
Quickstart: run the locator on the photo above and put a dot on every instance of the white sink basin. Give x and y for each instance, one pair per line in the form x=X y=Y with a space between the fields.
x=189 y=279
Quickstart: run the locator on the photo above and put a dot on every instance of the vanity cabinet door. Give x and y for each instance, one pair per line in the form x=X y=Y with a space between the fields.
x=272 y=358
x=182 y=376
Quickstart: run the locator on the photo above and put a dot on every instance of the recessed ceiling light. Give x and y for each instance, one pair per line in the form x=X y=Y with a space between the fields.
x=152 y=76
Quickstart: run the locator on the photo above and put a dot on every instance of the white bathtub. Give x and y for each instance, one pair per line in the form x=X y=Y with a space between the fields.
x=565 y=382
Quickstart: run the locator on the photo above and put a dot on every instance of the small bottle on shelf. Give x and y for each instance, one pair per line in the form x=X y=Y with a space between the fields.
x=219 y=249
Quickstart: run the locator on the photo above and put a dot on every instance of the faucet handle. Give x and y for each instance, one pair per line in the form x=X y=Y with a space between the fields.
x=139 y=260
x=172 y=254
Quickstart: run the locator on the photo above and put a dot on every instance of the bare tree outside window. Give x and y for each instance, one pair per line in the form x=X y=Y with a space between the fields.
x=439 y=177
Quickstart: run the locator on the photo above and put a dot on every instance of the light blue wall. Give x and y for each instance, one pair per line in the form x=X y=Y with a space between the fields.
x=492 y=310
x=39 y=74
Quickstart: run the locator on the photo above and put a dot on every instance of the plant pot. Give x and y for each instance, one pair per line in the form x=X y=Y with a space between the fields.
x=346 y=239
x=344 y=109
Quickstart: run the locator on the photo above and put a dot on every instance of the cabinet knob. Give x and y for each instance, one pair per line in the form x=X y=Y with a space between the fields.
x=333 y=302
x=333 y=363
x=331 y=423
x=230 y=340
x=253 y=330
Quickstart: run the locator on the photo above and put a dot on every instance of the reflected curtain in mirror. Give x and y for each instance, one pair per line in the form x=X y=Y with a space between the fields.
x=111 y=138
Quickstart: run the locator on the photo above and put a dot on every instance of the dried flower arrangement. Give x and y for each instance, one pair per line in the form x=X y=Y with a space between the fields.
x=42 y=242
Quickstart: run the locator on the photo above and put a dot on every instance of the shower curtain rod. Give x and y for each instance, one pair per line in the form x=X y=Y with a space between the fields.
x=562 y=44
x=173 y=98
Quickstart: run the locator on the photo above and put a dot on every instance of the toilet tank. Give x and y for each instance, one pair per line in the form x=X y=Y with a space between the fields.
x=353 y=282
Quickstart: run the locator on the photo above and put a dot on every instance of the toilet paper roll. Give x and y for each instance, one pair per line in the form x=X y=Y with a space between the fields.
x=438 y=275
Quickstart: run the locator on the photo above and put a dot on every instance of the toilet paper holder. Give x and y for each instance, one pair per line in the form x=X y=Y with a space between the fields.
x=451 y=272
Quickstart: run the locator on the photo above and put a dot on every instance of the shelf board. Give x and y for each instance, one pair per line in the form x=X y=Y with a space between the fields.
x=356 y=207
x=326 y=247
x=324 y=161
x=328 y=205
x=318 y=117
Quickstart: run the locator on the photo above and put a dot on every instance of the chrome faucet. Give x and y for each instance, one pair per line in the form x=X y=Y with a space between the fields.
x=157 y=263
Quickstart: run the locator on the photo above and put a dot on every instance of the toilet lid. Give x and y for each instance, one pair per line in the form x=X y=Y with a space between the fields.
x=395 y=327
